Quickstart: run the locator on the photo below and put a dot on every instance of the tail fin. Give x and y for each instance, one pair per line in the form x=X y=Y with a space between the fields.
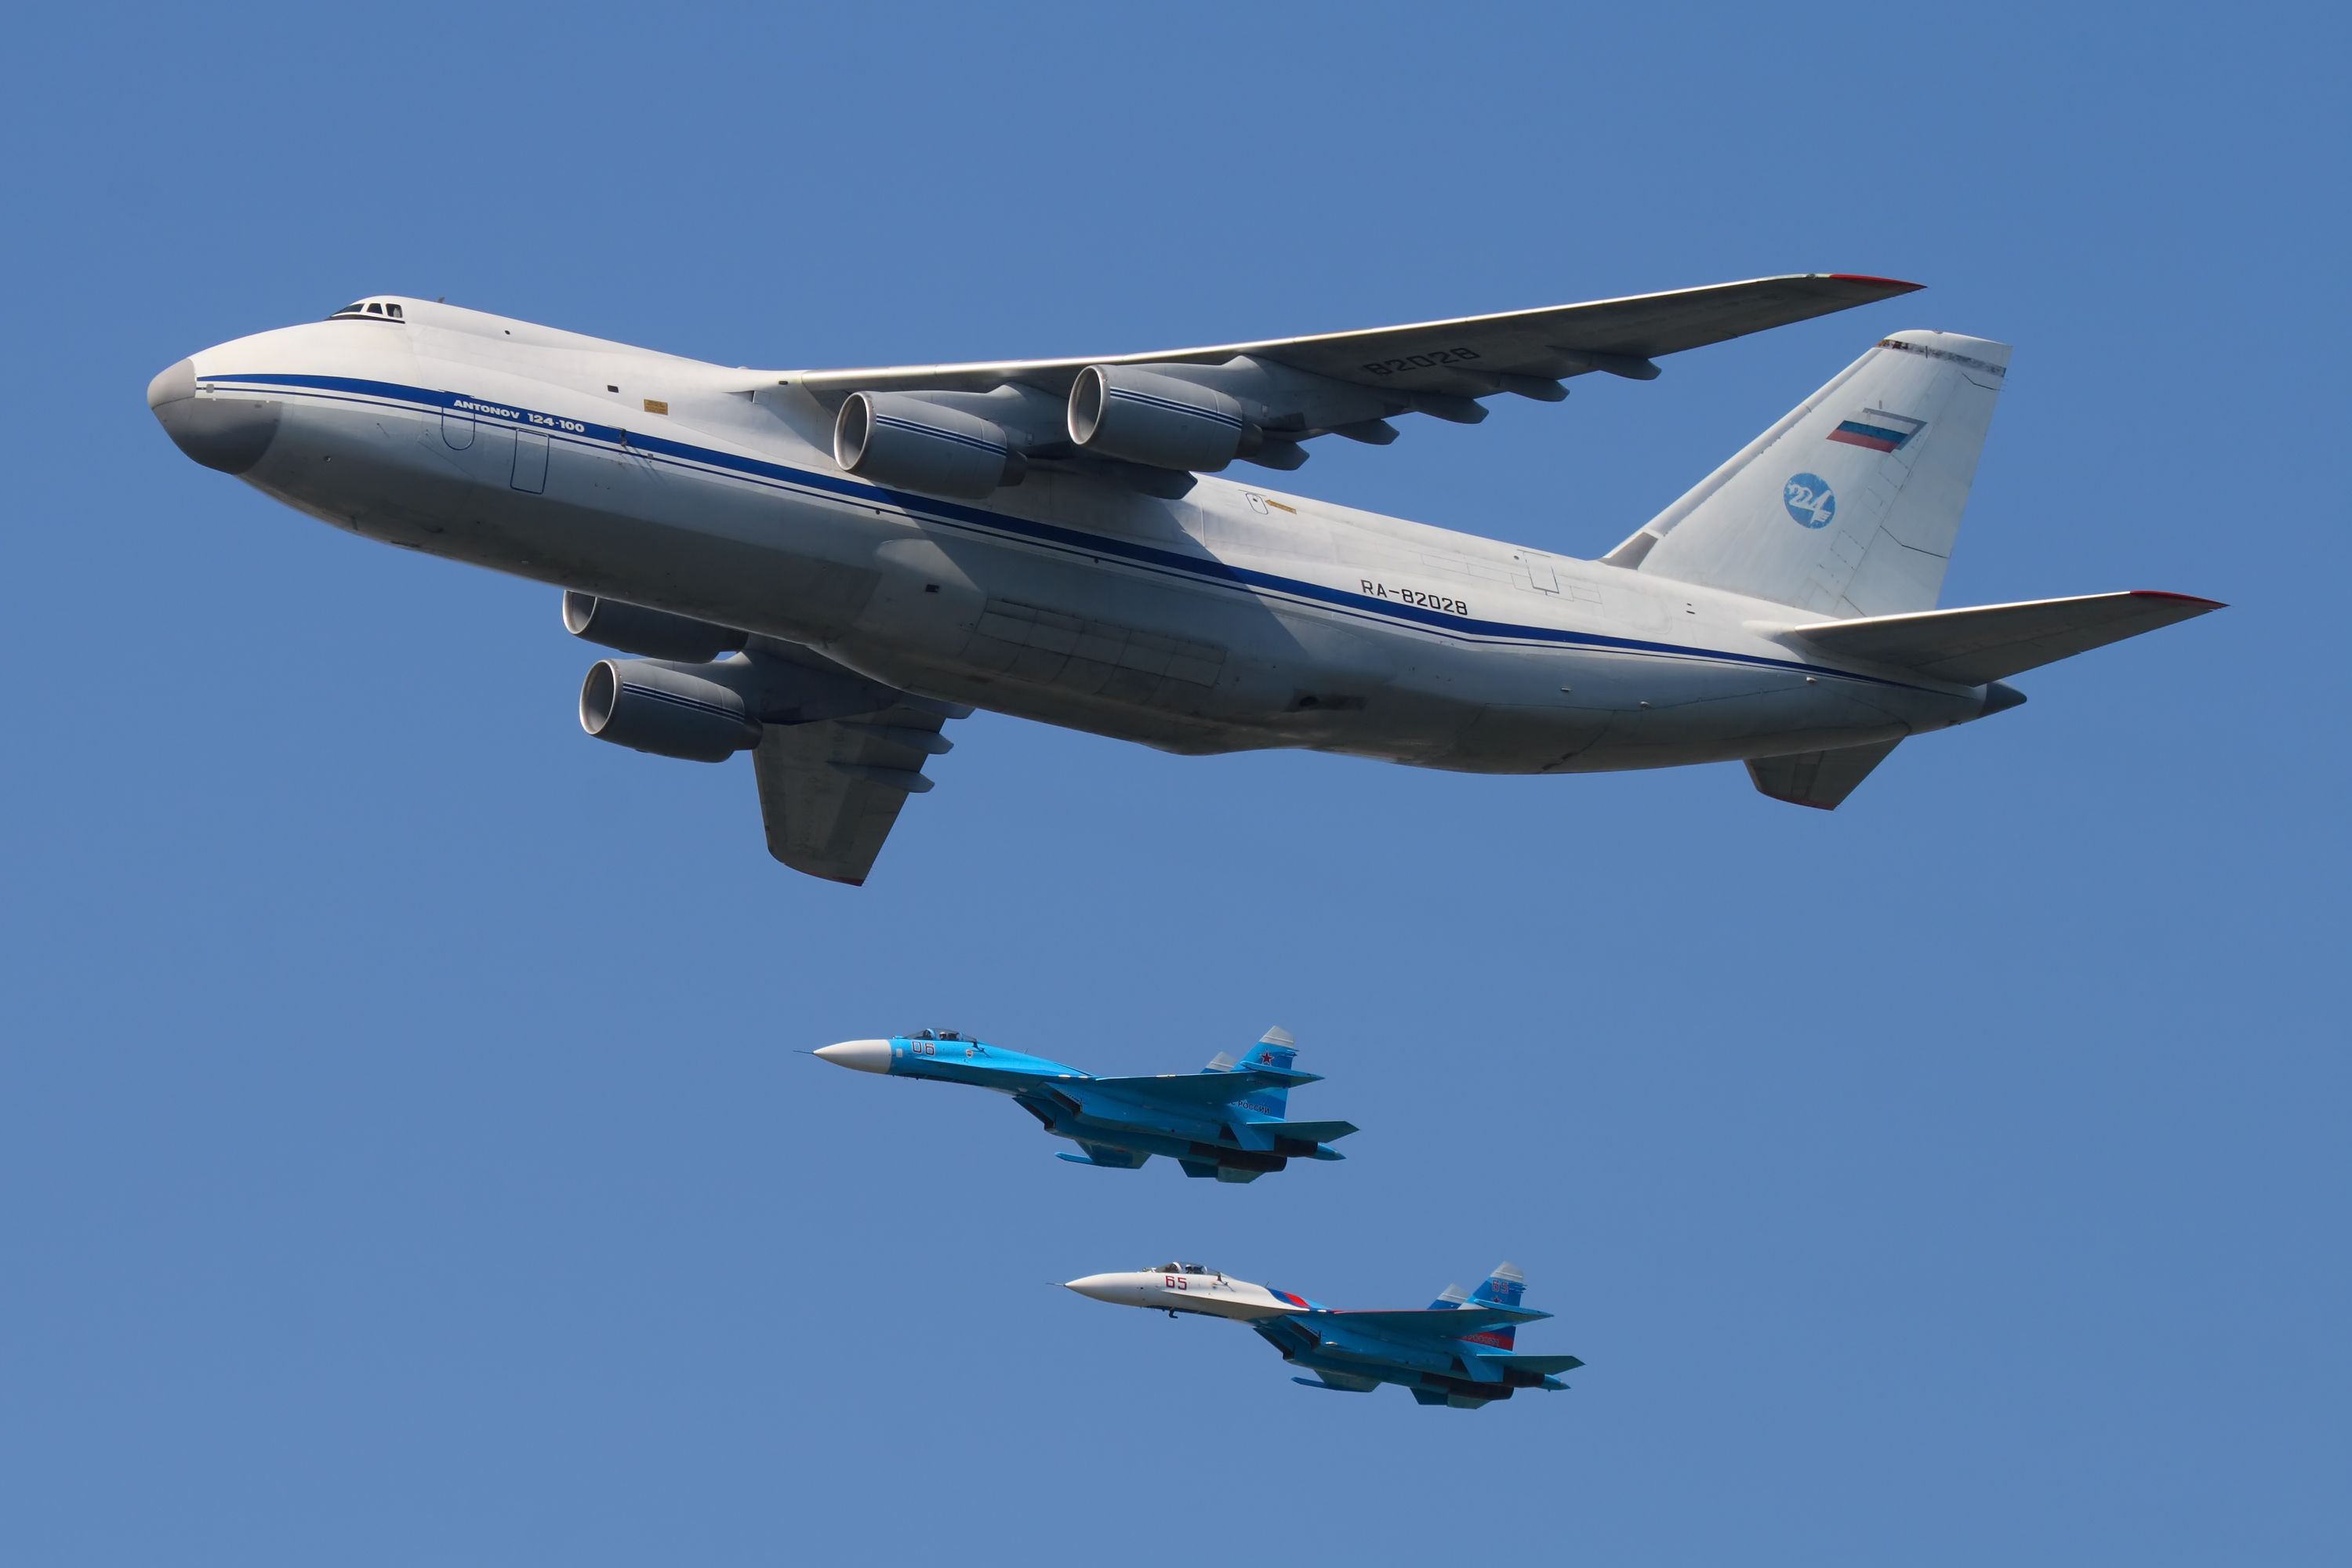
x=1503 y=1287
x=1274 y=1048
x=1850 y=504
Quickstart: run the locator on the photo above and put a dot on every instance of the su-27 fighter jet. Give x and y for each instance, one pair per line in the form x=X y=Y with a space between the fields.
x=824 y=567
x=1458 y=1350
x=1227 y=1120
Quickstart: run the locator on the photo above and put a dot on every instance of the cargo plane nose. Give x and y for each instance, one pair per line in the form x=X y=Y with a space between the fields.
x=865 y=1056
x=229 y=434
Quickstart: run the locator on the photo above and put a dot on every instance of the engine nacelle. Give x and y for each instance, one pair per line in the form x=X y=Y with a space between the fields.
x=1143 y=416
x=656 y=634
x=1203 y=417
x=648 y=705
x=920 y=442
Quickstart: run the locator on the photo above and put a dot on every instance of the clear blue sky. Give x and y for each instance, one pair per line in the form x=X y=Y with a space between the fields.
x=404 y=1156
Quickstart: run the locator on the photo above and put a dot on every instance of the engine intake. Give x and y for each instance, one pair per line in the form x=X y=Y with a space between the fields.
x=648 y=705
x=656 y=634
x=921 y=443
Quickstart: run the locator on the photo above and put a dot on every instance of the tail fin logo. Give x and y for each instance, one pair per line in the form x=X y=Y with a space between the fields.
x=1810 y=499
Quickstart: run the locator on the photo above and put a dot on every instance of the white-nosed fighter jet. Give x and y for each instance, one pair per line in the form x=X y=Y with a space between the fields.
x=824 y=567
x=1459 y=1349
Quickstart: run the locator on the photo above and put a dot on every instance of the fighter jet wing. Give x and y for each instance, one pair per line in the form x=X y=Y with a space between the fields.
x=830 y=790
x=1437 y=367
x=1441 y=1322
x=1206 y=1088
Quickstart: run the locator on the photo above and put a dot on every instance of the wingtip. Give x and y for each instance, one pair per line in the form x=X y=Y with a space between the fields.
x=1891 y=285
x=2204 y=603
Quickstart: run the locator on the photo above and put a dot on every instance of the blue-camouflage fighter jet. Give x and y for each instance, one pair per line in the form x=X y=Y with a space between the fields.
x=1227 y=1120
x=1457 y=1351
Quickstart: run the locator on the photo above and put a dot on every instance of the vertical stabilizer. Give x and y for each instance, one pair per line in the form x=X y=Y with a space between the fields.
x=1849 y=505
x=1274 y=1049
x=1503 y=1287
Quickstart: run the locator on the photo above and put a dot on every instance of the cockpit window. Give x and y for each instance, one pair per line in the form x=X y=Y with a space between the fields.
x=368 y=310
x=1180 y=1268
x=393 y=311
x=374 y=310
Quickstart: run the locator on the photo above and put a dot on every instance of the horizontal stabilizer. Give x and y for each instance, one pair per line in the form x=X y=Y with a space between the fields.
x=1309 y=1131
x=1819 y=779
x=1991 y=642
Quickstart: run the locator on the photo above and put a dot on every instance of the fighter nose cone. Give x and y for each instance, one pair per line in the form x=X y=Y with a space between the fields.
x=225 y=433
x=1101 y=1287
x=865 y=1056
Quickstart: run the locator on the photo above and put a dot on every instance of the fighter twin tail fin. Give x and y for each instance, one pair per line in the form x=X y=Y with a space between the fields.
x=1504 y=1288
x=1274 y=1051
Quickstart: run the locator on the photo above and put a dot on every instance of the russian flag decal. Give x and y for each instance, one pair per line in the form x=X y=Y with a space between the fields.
x=1878 y=430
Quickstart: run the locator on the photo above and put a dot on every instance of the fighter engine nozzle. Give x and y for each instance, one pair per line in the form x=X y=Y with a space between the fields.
x=865 y=1056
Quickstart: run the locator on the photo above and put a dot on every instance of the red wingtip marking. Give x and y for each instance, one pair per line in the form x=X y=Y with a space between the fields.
x=1883 y=282
x=2183 y=598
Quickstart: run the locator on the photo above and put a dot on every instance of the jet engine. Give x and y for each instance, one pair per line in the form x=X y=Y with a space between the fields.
x=1144 y=416
x=939 y=443
x=670 y=709
x=1203 y=417
x=656 y=634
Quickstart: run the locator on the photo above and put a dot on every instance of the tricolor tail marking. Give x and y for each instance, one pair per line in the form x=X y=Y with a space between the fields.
x=1878 y=430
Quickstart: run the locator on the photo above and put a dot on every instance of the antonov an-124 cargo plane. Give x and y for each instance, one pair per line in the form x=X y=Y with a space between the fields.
x=824 y=567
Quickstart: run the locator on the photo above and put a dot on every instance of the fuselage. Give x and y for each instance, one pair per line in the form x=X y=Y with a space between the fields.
x=1189 y=1288
x=1352 y=1351
x=1120 y=1122
x=1234 y=617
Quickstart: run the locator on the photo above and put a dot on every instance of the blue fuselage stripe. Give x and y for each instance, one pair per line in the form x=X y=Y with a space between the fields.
x=1068 y=540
